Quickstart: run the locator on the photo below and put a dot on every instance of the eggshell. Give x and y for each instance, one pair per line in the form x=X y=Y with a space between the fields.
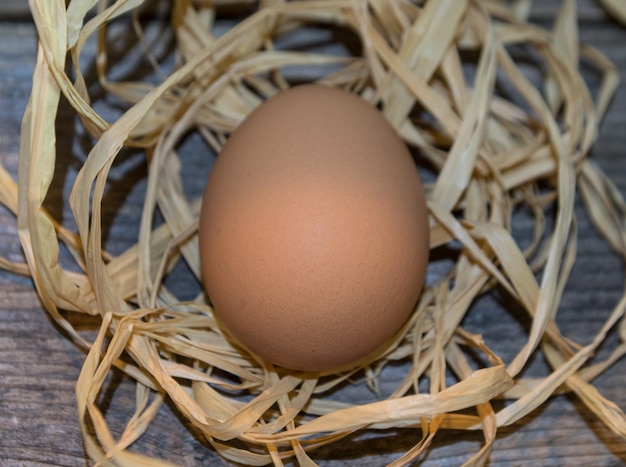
x=314 y=230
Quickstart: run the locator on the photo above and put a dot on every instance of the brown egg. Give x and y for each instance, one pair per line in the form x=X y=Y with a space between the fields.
x=314 y=230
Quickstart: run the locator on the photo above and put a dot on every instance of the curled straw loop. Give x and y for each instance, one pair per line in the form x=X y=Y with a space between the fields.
x=496 y=138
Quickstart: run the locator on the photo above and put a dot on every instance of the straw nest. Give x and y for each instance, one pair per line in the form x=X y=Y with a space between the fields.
x=499 y=141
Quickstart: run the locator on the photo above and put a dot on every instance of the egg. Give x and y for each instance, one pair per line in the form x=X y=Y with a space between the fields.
x=313 y=230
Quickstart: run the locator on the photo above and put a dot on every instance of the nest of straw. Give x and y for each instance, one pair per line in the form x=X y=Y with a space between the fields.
x=497 y=140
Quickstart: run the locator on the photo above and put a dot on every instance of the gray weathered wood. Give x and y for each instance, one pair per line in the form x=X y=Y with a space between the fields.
x=39 y=367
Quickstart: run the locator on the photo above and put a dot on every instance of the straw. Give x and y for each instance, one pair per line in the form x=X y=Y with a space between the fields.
x=498 y=141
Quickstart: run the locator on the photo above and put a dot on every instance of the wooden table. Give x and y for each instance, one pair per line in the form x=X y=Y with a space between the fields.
x=39 y=366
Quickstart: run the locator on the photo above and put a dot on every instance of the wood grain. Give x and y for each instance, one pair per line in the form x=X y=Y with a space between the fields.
x=39 y=366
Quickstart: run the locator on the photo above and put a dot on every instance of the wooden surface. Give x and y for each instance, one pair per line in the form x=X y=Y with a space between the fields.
x=39 y=366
